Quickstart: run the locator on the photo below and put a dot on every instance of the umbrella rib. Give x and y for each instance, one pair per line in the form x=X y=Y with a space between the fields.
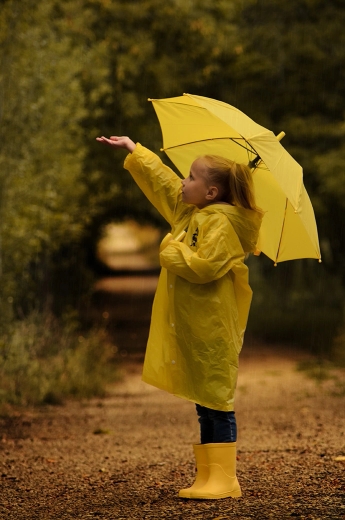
x=235 y=140
x=282 y=231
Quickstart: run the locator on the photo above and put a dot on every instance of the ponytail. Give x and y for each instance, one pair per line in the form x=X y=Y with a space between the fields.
x=234 y=181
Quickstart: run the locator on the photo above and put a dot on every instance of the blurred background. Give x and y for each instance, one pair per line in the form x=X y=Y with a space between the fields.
x=79 y=242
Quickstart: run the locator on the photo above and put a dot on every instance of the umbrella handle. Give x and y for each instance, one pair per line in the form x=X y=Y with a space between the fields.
x=166 y=240
x=253 y=164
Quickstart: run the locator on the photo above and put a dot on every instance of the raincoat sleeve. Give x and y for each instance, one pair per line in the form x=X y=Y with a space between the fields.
x=219 y=251
x=156 y=180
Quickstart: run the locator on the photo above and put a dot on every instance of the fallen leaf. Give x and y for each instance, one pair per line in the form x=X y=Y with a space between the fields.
x=101 y=431
x=339 y=458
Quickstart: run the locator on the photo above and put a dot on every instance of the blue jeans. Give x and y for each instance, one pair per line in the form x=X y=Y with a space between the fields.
x=216 y=426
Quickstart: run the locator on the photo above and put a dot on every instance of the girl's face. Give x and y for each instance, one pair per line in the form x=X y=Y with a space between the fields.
x=195 y=188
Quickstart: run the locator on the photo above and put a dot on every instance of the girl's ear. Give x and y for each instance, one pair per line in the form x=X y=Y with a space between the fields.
x=212 y=193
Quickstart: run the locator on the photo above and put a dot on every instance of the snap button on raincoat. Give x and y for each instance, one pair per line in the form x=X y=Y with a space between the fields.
x=202 y=301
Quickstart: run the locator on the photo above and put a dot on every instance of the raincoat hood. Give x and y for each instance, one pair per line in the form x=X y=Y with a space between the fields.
x=245 y=222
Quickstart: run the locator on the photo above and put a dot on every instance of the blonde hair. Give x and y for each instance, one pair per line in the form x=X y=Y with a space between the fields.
x=234 y=181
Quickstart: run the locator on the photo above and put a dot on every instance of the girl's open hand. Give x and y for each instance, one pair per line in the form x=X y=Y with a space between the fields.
x=118 y=142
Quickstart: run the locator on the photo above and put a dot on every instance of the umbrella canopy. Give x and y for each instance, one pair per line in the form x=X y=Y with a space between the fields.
x=194 y=125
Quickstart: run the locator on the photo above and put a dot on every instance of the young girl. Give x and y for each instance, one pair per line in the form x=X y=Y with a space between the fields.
x=202 y=300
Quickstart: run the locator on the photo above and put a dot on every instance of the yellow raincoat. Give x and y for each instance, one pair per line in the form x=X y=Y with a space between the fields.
x=203 y=297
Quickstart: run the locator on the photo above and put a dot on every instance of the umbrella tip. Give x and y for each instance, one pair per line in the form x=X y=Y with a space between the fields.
x=280 y=136
x=149 y=99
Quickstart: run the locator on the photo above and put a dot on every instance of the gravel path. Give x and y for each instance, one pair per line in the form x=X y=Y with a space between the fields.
x=126 y=457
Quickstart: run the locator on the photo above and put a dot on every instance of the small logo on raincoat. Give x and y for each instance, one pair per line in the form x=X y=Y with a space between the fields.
x=195 y=237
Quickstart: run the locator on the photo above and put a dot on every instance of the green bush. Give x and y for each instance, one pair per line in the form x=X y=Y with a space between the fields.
x=290 y=308
x=44 y=360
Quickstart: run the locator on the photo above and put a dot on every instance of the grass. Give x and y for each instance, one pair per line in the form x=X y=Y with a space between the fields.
x=45 y=360
x=324 y=372
x=319 y=370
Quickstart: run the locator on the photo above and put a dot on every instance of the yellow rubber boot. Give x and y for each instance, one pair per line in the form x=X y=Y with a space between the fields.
x=222 y=481
x=202 y=471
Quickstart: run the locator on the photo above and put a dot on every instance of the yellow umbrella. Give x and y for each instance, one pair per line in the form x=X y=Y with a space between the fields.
x=194 y=125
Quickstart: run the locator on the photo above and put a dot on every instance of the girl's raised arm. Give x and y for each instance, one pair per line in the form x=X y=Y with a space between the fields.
x=118 y=142
x=156 y=180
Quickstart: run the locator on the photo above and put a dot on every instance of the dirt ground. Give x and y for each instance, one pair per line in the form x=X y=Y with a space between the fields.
x=126 y=456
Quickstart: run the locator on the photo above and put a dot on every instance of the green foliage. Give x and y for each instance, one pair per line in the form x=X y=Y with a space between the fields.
x=42 y=147
x=152 y=49
x=43 y=360
x=291 y=78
